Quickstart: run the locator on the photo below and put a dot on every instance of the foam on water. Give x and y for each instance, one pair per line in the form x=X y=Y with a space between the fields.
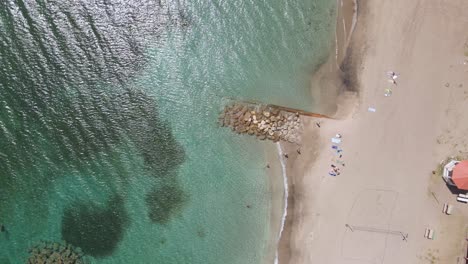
x=286 y=195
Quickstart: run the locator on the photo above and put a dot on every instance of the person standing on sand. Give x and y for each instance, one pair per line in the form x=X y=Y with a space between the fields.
x=392 y=74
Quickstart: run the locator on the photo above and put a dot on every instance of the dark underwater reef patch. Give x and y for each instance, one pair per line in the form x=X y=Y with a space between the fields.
x=67 y=103
x=97 y=230
x=56 y=58
x=152 y=136
x=103 y=121
x=164 y=202
x=77 y=135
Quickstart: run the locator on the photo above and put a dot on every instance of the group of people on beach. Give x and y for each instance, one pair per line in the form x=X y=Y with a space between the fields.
x=335 y=170
x=392 y=77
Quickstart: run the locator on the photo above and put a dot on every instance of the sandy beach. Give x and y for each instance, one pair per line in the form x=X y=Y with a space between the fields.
x=386 y=189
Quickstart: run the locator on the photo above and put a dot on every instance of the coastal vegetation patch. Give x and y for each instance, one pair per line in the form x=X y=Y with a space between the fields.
x=96 y=229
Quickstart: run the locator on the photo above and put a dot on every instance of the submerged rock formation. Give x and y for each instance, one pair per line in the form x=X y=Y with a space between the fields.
x=264 y=122
x=51 y=252
x=97 y=229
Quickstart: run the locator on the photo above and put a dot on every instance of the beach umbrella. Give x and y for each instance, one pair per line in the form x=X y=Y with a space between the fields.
x=460 y=175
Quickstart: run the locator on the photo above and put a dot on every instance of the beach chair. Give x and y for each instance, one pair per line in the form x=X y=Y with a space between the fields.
x=449 y=209
x=429 y=234
x=336 y=140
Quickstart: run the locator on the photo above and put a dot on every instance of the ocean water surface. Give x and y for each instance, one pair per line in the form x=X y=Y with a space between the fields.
x=108 y=134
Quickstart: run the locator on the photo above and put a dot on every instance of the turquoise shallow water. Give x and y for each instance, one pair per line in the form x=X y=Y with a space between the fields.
x=108 y=135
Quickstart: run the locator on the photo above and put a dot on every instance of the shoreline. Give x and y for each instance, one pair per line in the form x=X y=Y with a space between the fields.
x=278 y=194
x=333 y=72
x=285 y=199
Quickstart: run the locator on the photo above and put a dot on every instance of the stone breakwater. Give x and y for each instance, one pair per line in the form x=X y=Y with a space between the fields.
x=49 y=252
x=264 y=122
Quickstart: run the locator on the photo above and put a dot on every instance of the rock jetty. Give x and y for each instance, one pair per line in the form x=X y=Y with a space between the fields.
x=262 y=121
x=55 y=253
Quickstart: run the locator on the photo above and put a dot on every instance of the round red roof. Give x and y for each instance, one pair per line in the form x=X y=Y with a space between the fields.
x=460 y=175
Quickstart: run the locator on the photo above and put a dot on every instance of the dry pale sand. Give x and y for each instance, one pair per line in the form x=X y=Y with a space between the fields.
x=389 y=155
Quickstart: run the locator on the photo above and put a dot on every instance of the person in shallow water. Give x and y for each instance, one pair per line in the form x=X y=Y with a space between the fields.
x=2 y=228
